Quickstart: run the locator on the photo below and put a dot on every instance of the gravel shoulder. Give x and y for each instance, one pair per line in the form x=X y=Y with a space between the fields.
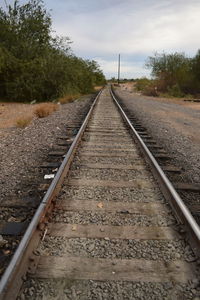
x=174 y=124
x=23 y=150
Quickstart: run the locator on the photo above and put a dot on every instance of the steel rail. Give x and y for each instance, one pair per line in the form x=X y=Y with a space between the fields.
x=182 y=213
x=9 y=281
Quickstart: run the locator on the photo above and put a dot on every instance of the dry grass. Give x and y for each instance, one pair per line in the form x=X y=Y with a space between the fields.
x=45 y=109
x=98 y=88
x=68 y=98
x=23 y=122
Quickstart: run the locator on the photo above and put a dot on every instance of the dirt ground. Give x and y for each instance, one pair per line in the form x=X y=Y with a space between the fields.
x=11 y=112
x=129 y=87
x=183 y=120
x=174 y=123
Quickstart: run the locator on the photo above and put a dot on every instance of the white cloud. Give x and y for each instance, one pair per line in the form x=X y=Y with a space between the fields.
x=104 y=28
x=125 y=29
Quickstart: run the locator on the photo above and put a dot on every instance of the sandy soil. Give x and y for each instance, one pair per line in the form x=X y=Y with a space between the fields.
x=11 y=112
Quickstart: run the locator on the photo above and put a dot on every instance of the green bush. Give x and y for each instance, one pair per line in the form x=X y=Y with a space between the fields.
x=147 y=86
x=35 y=66
x=175 y=91
x=142 y=84
x=175 y=73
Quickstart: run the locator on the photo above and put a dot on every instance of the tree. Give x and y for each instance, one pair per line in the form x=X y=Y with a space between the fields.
x=26 y=29
x=33 y=64
x=171 y=71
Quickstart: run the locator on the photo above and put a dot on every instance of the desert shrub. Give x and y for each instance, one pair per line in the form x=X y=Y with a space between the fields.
x=147 y=86
x=23 y=122
x=151 y=91
x=98 y=88
x=142 y=84
x=68 y=98
x=175 y=91
x=45 y=109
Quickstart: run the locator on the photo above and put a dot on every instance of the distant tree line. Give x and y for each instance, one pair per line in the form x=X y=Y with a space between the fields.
x=33 y=64
x=174 y=74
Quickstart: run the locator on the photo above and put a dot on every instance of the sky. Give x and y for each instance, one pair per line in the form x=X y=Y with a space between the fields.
x=101 y=29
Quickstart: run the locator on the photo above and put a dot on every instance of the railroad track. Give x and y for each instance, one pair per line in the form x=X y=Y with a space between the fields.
x=17 y=210
x=104 y=230
x=188 y=190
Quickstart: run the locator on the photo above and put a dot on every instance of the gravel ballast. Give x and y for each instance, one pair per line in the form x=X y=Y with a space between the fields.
x=23 y=150
x=115 y=219
x=174 y=126
x=121 y=249
x=109 y=290
x=111 y=194
x=101 y=159
x=109 y=174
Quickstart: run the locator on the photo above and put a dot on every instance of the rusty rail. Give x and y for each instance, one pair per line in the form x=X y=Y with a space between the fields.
x=18 y=266
x=182 y=212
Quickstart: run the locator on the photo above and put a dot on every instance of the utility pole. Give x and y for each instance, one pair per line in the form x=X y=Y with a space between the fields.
x=119 y=69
